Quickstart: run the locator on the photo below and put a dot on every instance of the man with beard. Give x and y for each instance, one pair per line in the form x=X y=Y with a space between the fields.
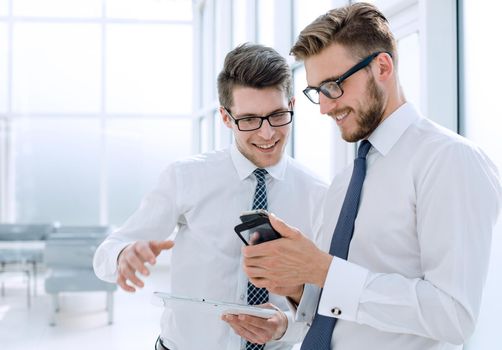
x=406 y=233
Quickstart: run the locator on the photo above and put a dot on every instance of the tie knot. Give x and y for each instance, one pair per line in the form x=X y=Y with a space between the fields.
x=260 y=174
x=364 y=148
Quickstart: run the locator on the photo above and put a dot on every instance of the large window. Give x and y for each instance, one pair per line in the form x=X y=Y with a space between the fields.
x=95 y=100
x=314 y=134
x=481 y=121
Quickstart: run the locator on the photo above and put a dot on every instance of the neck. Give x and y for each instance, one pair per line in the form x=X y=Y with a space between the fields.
x=395 y=100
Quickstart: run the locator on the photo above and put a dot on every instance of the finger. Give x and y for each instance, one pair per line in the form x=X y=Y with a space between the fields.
x=136 y=261
x=164 y=245
x=280 y=226
x=122 y=283
x=158 y=246
x=254 y=271
x=247 y=332
x=254 y=322
x=259 y=282
x=254 y=329
x=258 y=328
x=256 y=250
x=255 y=236
x=129 y=274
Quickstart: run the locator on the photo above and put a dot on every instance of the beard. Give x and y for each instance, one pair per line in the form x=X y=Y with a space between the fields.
x=370 y=113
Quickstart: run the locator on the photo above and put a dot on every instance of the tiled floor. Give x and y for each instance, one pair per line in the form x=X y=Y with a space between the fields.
x=82 y=321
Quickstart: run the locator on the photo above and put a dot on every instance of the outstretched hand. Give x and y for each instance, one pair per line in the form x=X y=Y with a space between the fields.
x=134 y=257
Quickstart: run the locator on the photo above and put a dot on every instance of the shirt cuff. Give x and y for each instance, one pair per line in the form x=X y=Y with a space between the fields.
x=342 y=290
x=295 y=331
x=306 y=310
x=105 y=262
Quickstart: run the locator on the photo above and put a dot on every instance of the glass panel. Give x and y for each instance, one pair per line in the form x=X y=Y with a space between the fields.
x=205 y=134
x=305 y=13
x=266 y=22
x=58 y=8
x=409 y=60
x=482 y=120
x=177 y=10
x=312 y=131
x=239 y=22
x=222 y=134
x=149 y=69
x=56 y=67
x=4 y=7
x=3 y=168
x=138 y=151
x=3 y=68
x=57 y=170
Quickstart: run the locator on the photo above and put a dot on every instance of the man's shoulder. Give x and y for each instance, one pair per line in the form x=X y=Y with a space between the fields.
x=302 y=173
x=199 y=166
x=435 y=137
x=211 y=159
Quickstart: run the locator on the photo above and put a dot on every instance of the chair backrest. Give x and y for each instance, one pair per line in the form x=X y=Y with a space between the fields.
x=25 y=232
x=64 y=252
x=103 y=230
x=89 y=233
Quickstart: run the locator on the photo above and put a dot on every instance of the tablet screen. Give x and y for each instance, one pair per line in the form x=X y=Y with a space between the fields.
x=190 y=304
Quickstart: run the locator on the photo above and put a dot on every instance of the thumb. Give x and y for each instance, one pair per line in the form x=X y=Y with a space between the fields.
x=284 y=229
x=158 y=246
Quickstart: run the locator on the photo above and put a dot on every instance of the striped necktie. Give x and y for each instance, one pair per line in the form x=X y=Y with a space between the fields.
x=256 y=295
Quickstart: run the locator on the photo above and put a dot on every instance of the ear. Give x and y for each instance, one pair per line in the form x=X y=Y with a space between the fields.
x=292 y=102
x=225 y=118
x=384 y=69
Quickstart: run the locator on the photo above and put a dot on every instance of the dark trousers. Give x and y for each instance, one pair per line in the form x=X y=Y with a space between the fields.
x=159 y=345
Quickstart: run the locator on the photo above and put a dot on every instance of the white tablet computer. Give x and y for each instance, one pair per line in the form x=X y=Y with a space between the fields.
x=221 y=307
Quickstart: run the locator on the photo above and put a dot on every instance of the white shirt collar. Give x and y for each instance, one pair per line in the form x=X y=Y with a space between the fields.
x=386 y=135
x=245 y=167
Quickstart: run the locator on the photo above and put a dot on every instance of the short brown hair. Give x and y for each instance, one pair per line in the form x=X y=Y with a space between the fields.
x=360 y=27
x=255 y=66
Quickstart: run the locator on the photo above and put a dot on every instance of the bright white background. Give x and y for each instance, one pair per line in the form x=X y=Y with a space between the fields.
x=98 y=96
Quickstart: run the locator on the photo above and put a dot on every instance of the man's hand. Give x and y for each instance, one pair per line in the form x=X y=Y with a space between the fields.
x=284 y=265
x=133 y=258
x=258 y=330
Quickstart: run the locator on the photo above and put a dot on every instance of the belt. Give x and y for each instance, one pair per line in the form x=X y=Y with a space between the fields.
x=159 y=345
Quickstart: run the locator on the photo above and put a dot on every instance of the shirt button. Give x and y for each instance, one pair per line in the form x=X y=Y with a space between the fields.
x=242 y=296
x=336 y=311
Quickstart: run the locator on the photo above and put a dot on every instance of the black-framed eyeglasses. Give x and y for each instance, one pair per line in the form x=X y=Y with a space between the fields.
x=332 y=88
x=250 y=123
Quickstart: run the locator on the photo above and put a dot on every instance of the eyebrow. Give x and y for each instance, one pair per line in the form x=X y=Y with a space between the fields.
x=259 y=116
x=325 y=81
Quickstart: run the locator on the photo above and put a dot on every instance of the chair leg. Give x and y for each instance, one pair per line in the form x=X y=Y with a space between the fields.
x=109 y=306
x=34 y=278
x=55 y=299
x=28 y=288
x=3 y=284
x=55 y=309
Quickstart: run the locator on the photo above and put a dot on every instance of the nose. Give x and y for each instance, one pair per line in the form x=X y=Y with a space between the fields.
x=326 y=104
x=266 y=131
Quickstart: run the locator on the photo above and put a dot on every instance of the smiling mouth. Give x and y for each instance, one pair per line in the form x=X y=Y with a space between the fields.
x=340 y=116
x=266 y=146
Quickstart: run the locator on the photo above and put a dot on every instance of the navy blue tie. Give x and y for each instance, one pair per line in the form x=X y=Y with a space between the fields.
x=256 y=295
x=321 y=330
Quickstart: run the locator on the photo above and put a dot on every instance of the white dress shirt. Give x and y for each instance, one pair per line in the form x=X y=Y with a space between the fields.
x=419 y=254
x=204 y=195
